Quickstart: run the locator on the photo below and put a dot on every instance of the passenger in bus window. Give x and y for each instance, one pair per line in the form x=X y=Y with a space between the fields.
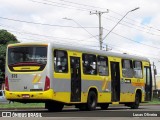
x=88 y=68
x=64 y=65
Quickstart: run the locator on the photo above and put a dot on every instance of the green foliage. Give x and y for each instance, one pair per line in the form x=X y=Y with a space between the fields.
x=5 y=39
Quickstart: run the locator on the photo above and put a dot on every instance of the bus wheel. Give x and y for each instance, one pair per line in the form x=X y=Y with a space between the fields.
x=54 y=106
x=135 y=105
x=82 y=107
x=104 y=106
x=91 y=101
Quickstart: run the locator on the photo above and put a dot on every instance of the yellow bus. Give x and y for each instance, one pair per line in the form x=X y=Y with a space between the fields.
x=59 y=75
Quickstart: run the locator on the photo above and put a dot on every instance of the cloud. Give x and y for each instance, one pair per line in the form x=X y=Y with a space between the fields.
x=140 y=26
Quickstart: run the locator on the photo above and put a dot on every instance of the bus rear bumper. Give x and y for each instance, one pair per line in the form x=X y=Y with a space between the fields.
x=36 y=95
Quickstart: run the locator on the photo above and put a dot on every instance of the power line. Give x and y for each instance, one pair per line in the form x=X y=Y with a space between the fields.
x=51 y=25
x=123 y=21
x=136 y=21
x=80 y=26
x=46 y=36
x=61 y=5
x=134 y=27
x=132 y=40
x=81 y=4
x=143 y=27
x=119 y=48
x=69 y=4
x=62 y=42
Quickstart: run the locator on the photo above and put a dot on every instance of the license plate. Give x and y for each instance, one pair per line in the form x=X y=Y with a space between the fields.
x=25 y=96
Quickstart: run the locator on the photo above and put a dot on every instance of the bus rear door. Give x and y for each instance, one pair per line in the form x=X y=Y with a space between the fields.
x=75 y=79
x=115 y=83
x=148 y=83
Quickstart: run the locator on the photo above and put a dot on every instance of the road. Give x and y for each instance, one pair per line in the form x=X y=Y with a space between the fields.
x=113 y=112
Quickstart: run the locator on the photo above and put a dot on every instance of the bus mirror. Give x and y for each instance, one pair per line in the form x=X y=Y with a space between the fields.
x=155 y=71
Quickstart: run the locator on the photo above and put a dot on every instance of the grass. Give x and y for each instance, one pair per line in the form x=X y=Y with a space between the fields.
x=21 y=105
x=154 y=101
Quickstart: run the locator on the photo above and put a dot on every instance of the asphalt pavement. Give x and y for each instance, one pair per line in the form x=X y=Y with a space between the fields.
x=116 y=112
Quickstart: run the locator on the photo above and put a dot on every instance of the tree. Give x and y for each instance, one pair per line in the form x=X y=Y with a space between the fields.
x=5 y=39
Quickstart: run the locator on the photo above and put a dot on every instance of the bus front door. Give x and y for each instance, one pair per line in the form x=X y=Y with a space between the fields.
x=115 y=81
x=75 y=79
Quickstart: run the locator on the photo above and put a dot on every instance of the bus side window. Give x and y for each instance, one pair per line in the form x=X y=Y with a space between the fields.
x=127 y=68
x=60 y=61
x=89 y=64
x=137 y=69
x=103 y=65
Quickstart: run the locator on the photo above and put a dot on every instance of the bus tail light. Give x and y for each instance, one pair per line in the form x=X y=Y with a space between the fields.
x=47 y=84
x=6 y=84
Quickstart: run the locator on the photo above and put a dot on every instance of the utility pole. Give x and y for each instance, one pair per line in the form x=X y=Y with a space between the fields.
x=99 y=13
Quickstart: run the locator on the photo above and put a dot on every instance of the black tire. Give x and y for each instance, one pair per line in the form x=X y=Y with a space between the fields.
x=54 y=106
x=82 y=107
x=104 y=106
x=91 y=101
x=135 y=105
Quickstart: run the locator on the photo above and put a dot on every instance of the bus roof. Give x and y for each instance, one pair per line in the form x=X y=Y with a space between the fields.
x=85 y=50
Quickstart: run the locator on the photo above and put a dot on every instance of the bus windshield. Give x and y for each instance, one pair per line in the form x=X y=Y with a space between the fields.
x=27 y=56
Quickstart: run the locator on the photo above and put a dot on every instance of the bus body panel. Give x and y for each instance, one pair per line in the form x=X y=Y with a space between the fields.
x=26 y=82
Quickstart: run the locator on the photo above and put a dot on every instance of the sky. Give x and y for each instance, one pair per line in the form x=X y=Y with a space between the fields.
x=69 y=22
